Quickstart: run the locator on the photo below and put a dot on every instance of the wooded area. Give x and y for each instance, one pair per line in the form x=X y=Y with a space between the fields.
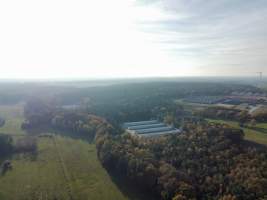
x=204 y=162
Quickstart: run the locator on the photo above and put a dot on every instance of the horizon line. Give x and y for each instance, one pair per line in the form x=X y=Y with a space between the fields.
x=71 y=79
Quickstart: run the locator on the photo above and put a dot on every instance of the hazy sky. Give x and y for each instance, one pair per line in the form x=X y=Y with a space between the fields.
x=128 y=38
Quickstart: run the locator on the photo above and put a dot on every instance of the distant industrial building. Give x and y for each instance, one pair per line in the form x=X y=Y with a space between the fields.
x=150 y=128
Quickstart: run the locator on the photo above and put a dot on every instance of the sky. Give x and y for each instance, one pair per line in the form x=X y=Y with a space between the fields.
x=132 y=38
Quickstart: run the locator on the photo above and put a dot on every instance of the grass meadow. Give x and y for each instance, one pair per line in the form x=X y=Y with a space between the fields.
x=63 y=169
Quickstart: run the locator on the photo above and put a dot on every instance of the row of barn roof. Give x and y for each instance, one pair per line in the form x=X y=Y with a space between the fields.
x=149 y=128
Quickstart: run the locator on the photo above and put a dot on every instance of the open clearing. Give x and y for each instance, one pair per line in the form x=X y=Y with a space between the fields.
x=64 y=168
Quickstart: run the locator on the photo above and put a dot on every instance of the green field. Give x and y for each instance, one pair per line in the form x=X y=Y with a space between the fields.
x=256 y=134
x=64 y=168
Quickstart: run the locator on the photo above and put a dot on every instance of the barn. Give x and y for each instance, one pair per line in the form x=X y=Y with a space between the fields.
x=149 y=128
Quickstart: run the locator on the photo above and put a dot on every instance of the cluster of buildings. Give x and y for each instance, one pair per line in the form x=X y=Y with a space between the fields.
x=149 y=128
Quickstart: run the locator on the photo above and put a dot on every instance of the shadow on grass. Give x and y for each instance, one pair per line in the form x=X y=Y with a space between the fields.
x=249 y=143
x=130 y=190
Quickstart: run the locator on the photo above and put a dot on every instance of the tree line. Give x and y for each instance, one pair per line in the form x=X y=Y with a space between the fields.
x=43 y=113
x=242 y=116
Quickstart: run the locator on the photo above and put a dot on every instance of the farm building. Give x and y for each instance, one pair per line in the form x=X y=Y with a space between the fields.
x=149 y=128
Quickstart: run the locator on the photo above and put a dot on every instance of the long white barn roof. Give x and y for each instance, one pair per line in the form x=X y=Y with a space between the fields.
x=149 y=128
x=128 y=124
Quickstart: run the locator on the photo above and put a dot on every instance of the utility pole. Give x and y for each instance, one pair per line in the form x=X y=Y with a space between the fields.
x=260 y=76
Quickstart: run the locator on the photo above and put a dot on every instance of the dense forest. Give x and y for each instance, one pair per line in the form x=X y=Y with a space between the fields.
x=204 y=162
x=130 y=102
